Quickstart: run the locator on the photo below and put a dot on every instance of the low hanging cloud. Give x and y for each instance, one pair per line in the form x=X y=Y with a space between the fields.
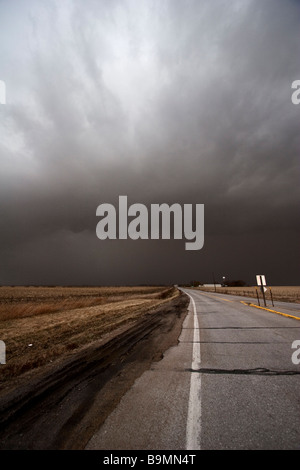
x=186 y=101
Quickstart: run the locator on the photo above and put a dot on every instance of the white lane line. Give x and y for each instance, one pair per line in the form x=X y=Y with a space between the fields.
x=193 y=427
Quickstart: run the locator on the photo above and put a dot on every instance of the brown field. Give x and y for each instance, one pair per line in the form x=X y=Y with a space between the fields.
x=39 y=325
x=279 y=293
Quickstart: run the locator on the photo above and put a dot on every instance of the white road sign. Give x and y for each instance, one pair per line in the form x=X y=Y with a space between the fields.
x=261 y=280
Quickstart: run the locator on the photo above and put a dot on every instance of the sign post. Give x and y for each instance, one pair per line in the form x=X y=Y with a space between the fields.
x=271 y=296
x=257 y=296
x=261 y=281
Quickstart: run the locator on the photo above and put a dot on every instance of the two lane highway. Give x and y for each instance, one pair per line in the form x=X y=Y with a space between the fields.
x=229 y=384
x=249 y=384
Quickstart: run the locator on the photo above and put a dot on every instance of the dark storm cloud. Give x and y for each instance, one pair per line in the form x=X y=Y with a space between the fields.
x=186 y=101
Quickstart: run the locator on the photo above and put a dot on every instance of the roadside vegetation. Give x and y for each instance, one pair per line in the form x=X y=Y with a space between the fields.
x=40 y=325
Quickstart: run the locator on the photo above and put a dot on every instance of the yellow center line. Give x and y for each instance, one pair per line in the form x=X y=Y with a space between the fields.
x=269 y=310
x=251 y=305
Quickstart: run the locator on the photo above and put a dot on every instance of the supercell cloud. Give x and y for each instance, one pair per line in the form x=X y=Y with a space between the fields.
x=163 y=101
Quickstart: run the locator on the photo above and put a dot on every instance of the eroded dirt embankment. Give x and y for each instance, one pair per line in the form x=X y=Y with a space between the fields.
x=35 y=335
x=62 y=406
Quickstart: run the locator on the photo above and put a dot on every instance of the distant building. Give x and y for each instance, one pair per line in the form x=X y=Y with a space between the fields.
x=212 y=285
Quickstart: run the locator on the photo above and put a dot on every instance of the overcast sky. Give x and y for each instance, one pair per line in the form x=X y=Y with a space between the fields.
x=185 y=101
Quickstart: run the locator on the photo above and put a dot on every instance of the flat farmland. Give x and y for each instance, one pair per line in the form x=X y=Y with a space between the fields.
x=41 y=325
x=279 y=293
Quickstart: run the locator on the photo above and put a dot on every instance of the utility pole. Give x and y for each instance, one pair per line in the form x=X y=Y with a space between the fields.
x=214 y=281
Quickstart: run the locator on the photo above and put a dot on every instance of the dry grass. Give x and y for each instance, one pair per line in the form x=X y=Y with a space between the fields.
x=60 y=320
x=20 y=302
x=279 y=293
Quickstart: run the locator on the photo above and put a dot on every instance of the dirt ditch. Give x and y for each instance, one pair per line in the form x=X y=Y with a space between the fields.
x=65 y=403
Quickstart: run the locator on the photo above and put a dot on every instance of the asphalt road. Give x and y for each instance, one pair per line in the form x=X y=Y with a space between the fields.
x=230 y=383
